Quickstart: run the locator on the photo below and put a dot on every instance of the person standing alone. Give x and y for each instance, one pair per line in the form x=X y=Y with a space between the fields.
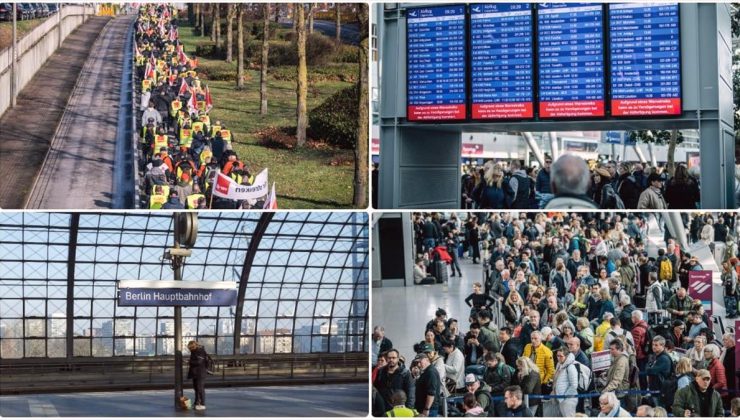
x=197 y=371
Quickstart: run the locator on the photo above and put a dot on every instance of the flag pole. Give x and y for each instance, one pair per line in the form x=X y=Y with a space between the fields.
x=210 y=202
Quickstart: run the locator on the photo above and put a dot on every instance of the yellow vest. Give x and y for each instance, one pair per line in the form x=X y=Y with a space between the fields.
x=197 y=126
x=165 y=190
x=215 y=129
x=402 y=411
x=201 y=105
x=204 y=155
x=186 y=137
x=157 y=201
x=175 y=106
x=226 y=135
x=193 y=200
x=160 y=140
x=146 y=85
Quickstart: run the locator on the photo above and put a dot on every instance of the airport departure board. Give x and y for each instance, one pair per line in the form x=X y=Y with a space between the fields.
x=502 y=61
x=570 y=40
x=645 y=59
x=436 y=63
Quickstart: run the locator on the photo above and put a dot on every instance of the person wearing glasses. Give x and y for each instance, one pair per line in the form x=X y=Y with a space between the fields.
x=698 y=399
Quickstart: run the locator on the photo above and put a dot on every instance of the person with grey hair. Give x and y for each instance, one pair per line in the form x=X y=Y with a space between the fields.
x=715 y=367
x=609 y=406
x=569 y=181
x=728 y=359
x=381 y=343
x=645 y=411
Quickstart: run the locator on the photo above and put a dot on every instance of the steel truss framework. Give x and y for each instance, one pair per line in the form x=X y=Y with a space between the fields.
x=303 y=283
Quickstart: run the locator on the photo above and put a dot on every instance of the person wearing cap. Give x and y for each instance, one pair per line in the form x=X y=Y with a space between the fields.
x=481 y=390
x=698 y=399
x=428 y=387
x=652 y=197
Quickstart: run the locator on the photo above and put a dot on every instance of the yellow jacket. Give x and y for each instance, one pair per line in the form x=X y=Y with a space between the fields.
x=543 y=360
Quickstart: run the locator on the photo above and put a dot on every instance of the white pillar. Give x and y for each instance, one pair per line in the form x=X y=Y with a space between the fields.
x=14 y=57
x=534 y=147
x=554 y=145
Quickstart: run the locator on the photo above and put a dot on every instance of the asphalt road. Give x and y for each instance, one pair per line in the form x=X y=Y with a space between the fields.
x=28 y=128
x=78 y=171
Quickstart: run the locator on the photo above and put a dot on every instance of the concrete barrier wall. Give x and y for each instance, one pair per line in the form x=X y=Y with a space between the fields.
x=36 y=47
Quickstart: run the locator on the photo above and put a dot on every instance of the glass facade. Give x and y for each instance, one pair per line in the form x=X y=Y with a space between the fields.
x=306 y=292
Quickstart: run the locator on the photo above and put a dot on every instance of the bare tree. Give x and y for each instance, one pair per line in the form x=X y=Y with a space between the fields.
x=311 y=8
x=203 y=20
x=230 y=15
x=240 y=47
x=214 y=19
x=217 y=24
x=302 y=84
x=265 y=56
x=294 y=7
x=359 y=199
x=196 y=12
x=338 y=22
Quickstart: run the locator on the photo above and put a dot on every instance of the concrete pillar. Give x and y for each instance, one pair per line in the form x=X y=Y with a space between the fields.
x=534 y=147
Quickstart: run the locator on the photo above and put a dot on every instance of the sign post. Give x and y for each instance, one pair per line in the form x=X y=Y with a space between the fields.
x=700 y=287
x=600 y=360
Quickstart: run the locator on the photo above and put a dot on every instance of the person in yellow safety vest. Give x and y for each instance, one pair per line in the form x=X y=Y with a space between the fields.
x=205 y=155
x=206 y=120
x=192 y=199
x=146 y=85
x=398 y=399
x=175 y=106
x=197 y=126
x=160 y=141
x=186 y=137
x=158 y=197
x=215 y=128
x=225 y=135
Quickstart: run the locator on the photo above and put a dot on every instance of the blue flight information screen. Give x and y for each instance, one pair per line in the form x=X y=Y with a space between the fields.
x=571 y=60
x=645 y=59
x=436 y=63
x=502 y=61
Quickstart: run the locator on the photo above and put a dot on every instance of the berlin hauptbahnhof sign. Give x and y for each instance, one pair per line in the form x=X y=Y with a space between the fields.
x=174 y=293
x=586 y=60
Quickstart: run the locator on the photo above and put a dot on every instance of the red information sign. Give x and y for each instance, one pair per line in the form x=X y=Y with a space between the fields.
x=435 y=112
x=565 y=109
x=642 y=107
x=700 y=287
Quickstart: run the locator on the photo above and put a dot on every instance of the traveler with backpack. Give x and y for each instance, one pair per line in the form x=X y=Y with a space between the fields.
x=617 y=376
x=660 y=373
x=498 y=374
x=197 y=371
x=565 y=382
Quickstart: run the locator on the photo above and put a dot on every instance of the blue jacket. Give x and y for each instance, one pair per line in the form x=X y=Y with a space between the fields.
x=543 y=182
x=606 y=306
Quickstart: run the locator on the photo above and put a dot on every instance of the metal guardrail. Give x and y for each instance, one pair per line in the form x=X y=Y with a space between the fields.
x=100 y=374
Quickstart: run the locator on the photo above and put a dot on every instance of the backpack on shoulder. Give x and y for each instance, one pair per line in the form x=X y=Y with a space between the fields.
x=584 y=377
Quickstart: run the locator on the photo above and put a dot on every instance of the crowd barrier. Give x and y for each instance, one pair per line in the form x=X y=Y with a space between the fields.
x=36 y=47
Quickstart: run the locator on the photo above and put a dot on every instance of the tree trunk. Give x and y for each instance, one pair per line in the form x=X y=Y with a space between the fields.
x=311 y=8
x=217 y=24
x=203 y=21
x=196 y=11
x=671 y=164
x=214 y=17
x=278 y=8
x=240 y=47
x=360 y=184
x=295 y=7
x=302 y=85
x=338 y=23
x=230 y=15
x=265 y=56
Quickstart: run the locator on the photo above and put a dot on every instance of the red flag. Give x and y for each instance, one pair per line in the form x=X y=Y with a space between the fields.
x=183 y=87
x=209 y=101
x=271 y=202
x=193 y=103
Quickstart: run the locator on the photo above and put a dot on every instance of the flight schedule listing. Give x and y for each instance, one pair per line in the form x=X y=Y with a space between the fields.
x=644 y=54
x=502 y=62
x=570 y=40
x=436 y=63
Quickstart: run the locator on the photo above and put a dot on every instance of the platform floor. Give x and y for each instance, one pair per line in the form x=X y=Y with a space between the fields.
x=278 y=401
x=405 y=311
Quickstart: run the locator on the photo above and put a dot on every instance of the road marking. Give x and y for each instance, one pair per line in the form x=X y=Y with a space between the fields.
x=40 y=408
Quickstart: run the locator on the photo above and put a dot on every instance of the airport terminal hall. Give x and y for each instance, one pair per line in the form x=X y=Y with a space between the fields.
x=555 y=314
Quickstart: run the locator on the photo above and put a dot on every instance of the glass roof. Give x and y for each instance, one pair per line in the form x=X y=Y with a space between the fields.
x=307 y=289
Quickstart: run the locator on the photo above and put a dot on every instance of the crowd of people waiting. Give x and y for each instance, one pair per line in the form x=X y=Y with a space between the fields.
x=182 y=149
x=571 y=182
x=559 y=289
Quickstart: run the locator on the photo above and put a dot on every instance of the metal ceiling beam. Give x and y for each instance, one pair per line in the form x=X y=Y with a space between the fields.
x=259 y=231
x=74 y=225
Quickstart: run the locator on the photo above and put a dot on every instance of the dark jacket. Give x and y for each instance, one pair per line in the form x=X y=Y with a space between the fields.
x=428 y=384
x=729 y=364
x=530 y=385
x=520 y=411
x=198 y=363
x=658 y=371
x=498 y=378
x=688 y=398
x=387 y=383
x=543 y=182
x=628 y=189
x=385 y=345
x=173 y=203
x=511 y=350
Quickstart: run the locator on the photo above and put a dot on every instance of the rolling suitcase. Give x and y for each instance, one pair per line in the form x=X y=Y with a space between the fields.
x=440 y=269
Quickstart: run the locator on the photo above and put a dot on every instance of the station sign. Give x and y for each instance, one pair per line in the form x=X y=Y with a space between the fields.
x=700 y=287
x=176 y=293
x=436 y=63
x=502 y=61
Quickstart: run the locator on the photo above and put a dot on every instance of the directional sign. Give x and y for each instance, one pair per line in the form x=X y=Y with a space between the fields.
x=614 y=137
x=645 y=59
x=436 y=63
x=571 y=60
x=176 y=293
x=502 y=63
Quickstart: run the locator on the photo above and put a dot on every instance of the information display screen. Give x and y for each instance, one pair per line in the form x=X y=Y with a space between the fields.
x=436 y=63
x=570 y=40
x=645 y=59
x=501 y=48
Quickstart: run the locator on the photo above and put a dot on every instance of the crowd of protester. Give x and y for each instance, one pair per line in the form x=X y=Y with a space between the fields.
x=182 y=149
x=559 y=288
x=578 y=184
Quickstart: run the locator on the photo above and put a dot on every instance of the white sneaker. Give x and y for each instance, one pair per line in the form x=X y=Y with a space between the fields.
x=200 y=407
